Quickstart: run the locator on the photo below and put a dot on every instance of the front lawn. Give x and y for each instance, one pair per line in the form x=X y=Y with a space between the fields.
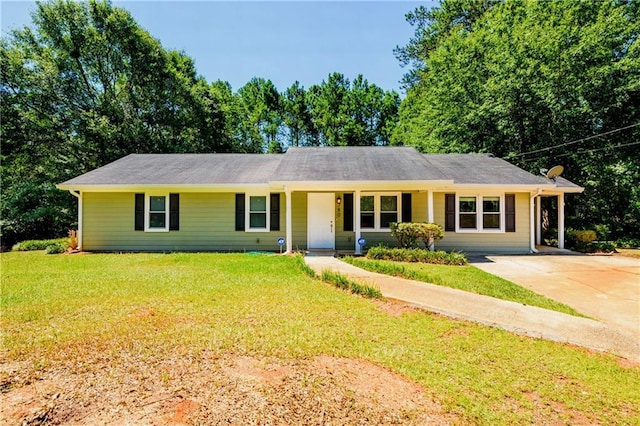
x=467 y=278
x=95 y=334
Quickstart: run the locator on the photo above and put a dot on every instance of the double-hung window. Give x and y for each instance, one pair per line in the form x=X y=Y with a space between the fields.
x=480 y=213
x=258 y=216
x=378 y=211
x=157 y=214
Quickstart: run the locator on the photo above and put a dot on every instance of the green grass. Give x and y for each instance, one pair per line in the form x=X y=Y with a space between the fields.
x=57 y=309
x=467 y=278
x=354 y=287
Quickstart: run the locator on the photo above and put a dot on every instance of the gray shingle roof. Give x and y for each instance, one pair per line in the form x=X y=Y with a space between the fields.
x=355 y=164
x=311 y=164
x=183 y=169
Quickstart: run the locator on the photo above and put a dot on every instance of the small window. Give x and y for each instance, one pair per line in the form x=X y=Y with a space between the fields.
x=491 y=213
x=388 y=210
x=157 y=217
x=468 y=212
x=367 y=212
x=258 y=212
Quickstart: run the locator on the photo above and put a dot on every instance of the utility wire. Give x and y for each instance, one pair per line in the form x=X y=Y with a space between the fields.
x=585 y=151
x=573 y=142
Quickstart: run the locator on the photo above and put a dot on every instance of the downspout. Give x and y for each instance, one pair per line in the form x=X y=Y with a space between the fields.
x=78 y=195
x=532 y=221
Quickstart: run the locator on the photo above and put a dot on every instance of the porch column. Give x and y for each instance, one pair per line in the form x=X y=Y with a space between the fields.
x=289 y=231
x=532 y=223
x=79 y=233
x=561 y=220
x=538 y=221
x=356 y=203
x=430 y=206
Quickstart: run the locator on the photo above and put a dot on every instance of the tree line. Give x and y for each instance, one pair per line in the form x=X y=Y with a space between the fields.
x=537 y=83
x=85 y=85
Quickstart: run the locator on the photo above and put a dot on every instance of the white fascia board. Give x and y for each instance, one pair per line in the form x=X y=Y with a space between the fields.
x=166 y=188
x=483 y=188
x=386 y=185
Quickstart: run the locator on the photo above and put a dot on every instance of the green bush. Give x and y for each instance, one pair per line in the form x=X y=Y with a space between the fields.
x=30 y=245
x=584 y=236
x=56 y=248
x=602 y=232
x=344 y=283
x=595 y=247
x=628 y=242
x=410 y=234
x=416 y=255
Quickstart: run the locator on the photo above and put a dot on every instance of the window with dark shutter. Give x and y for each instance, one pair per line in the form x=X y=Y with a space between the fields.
x=174 y=212
x=347 y=202
x=510 y=212
x=406 y=207
x=275 y=212
x=449 y=212
x=240 y=212
x=139 y=212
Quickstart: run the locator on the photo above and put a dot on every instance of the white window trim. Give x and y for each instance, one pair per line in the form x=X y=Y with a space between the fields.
x=247 y=216
x=147 y=211
x=377 y=211
x=479 y=214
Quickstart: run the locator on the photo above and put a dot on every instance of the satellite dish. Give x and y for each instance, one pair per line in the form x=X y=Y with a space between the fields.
x=554 y=172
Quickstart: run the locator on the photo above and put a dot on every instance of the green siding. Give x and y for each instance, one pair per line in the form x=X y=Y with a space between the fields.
x=507 y=242
x=207 y=222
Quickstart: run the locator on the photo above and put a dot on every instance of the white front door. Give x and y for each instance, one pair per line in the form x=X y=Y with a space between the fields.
x=321 y=227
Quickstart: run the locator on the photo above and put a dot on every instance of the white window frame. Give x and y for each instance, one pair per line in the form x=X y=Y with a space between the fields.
x=377 y=209
x=480 y=214
x=147 y=212
x=247 y=218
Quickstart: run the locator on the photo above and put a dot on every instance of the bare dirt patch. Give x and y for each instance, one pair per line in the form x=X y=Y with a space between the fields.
x=396 y=308
x=214 y=389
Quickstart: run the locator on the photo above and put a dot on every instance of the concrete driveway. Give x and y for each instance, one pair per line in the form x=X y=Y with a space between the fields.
x=606 y=288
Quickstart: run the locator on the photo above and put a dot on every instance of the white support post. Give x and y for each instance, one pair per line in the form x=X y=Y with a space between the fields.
x=538 y=221
x=430 y=206
x=79 y=235
x=532 y=224
x=561 y=220
x=356 y=202
x=289 y=221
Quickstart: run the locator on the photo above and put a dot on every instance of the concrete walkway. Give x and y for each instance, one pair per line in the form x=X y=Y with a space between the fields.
x=521 y=319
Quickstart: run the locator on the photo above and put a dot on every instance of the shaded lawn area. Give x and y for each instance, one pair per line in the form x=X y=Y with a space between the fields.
x=467 y=278
x=58 y=309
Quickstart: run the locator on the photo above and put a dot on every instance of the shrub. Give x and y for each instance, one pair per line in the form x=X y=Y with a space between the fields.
x=344 y=283
x=30 y=245
x=416 y=255
x=628 y=242
x=602 y=232
x=410 y=234
x=72 y=241
x=595 y=247
x=585 y=236
x=56 y=248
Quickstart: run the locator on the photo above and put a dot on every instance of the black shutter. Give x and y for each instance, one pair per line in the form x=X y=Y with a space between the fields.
x=510 y=212
x=449 y=212
x=406 y=207
x=239 y=212
x=174 y=212
x=139 y=213
x=275 y=212
x=347 y=200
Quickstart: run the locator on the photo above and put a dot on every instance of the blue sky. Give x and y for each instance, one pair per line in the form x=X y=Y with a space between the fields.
x=281 y=41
